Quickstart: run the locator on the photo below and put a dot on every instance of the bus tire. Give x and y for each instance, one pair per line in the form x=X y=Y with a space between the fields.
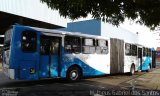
x=74 y=74
x=132 y=70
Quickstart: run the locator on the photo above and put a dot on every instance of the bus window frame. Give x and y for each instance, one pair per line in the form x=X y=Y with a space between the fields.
x=134 y=51
x=72 y=45
x=89 y=46
x=36 y=38
x=150 y=52
x=130 y=49
x=144 y=52
x=102 y=48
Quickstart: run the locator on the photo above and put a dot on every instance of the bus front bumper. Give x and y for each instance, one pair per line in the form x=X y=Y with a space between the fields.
x=9 y=73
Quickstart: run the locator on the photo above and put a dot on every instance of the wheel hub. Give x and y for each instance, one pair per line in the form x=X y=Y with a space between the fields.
x=74 y=75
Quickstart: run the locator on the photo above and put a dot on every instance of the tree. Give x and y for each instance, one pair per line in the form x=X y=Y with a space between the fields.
x=145 y=12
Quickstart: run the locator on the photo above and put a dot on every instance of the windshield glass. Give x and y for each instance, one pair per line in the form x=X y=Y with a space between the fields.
x=8 y=35
x=7 y=39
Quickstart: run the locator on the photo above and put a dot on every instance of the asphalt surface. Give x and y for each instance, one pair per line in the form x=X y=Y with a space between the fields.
x=60 y=87
x=118 y=84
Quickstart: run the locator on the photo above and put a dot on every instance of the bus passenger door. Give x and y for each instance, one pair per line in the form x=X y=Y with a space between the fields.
x=55 y=57
x=49 y=56
x=140 y=58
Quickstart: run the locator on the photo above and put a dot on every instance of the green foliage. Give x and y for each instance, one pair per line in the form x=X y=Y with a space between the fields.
x=145 y=12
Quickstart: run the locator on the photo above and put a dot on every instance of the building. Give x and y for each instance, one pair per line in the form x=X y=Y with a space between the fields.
x=156 y=35
x=29 y=13
x=97 y=27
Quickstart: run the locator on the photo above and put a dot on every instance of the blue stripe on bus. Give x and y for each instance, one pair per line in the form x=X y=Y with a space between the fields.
x=86 y=69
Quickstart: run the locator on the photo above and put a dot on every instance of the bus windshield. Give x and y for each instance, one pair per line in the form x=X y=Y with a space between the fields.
x=7 y=39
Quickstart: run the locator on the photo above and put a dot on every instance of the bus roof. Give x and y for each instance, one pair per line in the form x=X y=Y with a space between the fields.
x=50 y=32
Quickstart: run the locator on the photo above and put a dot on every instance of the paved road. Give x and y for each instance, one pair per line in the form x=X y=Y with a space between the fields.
x=59 y=87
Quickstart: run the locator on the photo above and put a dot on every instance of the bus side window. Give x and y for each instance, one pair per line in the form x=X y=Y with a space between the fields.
x=88 y=46
x=134 y=50
x=147 y=52
x=102 y=47
x=29 y=41
x=72 y=44
x=144 y=51
x=55 y=46
x=128 y=49
x=150 y=52
x=45 y=46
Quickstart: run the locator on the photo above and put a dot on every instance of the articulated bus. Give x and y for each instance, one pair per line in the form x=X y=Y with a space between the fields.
x=32 y=53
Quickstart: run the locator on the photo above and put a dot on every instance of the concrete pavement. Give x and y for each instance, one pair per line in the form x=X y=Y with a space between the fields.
x=150 y=81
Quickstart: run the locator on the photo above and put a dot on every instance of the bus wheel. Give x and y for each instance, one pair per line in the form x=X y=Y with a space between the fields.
x=132 y=70
x=73 y=74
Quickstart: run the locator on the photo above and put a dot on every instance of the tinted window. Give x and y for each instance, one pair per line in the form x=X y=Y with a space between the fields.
x=150 y=52
x=6 y=47
x=29 y=41
x=134 y=50
x=72 y=44
x=145 y=51
x=8 y=36
x=55 y=46
x=45 y=46
x=7 y=39
x=49 y=45
x=128 y=49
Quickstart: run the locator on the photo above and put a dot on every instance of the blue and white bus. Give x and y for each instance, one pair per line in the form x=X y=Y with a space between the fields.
x=143 y=57
x=32 y=53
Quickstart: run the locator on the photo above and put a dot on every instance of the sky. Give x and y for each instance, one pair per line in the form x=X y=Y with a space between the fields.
x=146 y=36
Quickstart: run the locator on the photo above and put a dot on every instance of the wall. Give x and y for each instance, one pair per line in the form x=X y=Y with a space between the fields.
x=117 y=32
x=92 y=27
x=97 y=27
x=33 y=9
